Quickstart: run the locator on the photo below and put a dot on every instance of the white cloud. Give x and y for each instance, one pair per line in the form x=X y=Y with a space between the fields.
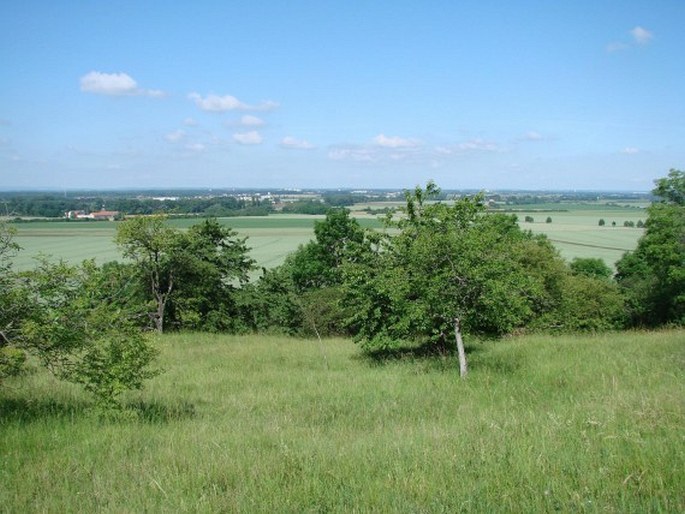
x=532 y=136
x=352 y=153
x=190 y=122
x=294 y=143
x=175 y=136
x=251 y=121
x=196 y=147
x=641 y=35
x=115 y=84
x=630 y=150
x=216 y=103
x=248 y=138
x=394 y=141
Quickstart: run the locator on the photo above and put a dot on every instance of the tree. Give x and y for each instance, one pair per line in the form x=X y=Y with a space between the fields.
x=154 y=247
x=303 y=295
x=79 y=332
x=602 y=222
x=529 y=219
x=590 y=267
x=653 y=276
x=191 y=275
x=213 y=262
x=549 y=219
x=73 y=323
x=11 y=306
x=451 y=270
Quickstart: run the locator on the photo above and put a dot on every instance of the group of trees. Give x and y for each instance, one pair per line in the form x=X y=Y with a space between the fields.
x=438 y=272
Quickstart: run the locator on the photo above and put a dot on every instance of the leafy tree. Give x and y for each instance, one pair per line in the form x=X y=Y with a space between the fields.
x=529 y=219
x=549 y=219
x=303 y=295
x=11 y=307
x=590 y=267
x=452 y=269
x=74 y=323
x=191 y=275
x=653 y=276
x=212 y=264
x=602 y=222
x=79 y=332
x=154 y=247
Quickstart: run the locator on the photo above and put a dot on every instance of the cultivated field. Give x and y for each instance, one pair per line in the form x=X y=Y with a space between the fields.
x=575 y=231
x=269 y=424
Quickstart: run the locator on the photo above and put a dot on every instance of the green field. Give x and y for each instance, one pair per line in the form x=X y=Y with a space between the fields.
x=269 y=424
x=574 y=231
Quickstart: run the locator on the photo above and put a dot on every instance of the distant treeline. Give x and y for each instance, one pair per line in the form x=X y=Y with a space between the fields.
x=47 y=205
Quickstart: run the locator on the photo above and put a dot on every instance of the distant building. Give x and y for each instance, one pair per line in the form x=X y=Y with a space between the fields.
x=98 y=215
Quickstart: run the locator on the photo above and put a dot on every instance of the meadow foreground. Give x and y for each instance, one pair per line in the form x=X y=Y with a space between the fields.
x=270 y=424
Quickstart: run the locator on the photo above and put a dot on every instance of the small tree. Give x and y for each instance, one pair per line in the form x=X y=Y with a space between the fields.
x=529 y=219
x=451 y=270
x=154 y=247
x=549 y=219
x=80 y=334
x=602 y=222
x=590 y=267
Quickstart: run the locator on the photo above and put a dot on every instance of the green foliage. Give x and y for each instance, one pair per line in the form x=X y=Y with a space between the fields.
x=529 y=219
x=602 y=222
x=211 y=265
x=590 y=267
x=77 y=329
x=303 y=295
x=549 y=219
x=653 y=276
x=12 y=359
x=192 y=276
x=452 y=267
x=588 y=303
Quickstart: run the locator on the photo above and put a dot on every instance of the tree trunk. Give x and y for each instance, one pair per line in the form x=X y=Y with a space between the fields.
x=463 y=369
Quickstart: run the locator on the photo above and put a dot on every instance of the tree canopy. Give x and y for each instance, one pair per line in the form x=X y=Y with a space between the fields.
x=653 y=276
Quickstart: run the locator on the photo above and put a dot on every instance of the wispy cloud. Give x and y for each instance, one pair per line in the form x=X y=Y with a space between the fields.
x=248 y=138
x=394 y=141
x=470 y=146
x=630 y=150
x=216 y=103
x=531 y=136
x=115 y=84
x=175 y=136
x=641 y=35
x=249 y=120
x=296 y=144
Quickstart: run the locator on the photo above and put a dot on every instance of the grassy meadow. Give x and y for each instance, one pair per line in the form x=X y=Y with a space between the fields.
x=574 y=231
x=270 y=424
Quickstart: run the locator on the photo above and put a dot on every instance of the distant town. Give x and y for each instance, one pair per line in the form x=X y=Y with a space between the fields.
x=112 y=205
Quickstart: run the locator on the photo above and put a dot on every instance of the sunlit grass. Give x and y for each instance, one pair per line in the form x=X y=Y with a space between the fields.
x=269 y=424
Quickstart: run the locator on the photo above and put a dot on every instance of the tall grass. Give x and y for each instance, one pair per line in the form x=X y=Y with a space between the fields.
x=264 y=424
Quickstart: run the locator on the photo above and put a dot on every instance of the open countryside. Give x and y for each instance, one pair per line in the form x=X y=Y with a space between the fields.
x=574 y=230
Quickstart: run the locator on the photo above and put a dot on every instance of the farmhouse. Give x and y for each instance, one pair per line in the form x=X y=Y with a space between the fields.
x=98 y=215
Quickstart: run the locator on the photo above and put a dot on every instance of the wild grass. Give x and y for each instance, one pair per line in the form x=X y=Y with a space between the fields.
x=271 y=424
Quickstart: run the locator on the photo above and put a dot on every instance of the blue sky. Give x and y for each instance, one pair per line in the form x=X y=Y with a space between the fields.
x=472 y=94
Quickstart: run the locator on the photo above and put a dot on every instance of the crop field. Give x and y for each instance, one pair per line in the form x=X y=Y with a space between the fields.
x=271 y=424
x=574 y=231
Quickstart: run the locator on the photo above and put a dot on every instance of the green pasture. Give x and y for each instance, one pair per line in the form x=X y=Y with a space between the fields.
x=271 y=424
x=574 y=231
